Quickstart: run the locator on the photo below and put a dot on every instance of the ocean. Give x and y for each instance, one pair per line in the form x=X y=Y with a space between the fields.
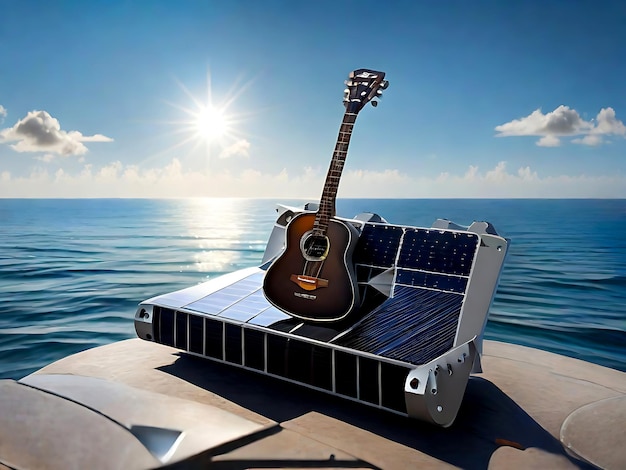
x=72 y=271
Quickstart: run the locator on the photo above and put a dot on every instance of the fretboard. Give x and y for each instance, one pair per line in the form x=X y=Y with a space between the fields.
x=329 y=194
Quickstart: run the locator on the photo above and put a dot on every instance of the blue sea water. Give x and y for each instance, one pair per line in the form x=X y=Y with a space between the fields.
x=73 y=271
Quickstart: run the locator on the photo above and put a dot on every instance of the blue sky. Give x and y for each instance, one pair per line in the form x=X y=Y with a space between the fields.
x=486 y=99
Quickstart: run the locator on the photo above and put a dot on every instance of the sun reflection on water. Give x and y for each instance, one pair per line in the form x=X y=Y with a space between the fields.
x=223 y=233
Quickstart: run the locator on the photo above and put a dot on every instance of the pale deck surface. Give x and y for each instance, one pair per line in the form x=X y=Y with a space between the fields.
x=521 y=401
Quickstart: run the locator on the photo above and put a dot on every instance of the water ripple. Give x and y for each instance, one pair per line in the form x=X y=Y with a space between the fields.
x=73 y=271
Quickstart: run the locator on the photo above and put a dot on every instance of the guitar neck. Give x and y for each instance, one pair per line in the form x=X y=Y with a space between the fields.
x=329 y=194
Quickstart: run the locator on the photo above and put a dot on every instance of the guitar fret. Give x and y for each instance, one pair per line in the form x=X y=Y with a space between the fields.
x=327 y=202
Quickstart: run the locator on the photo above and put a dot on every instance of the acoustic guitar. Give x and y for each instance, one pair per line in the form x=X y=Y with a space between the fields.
x=313 y=278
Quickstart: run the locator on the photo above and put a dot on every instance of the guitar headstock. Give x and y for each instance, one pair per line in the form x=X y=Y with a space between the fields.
x=363 y=86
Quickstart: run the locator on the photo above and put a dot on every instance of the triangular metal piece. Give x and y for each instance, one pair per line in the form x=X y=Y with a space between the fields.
x=383 y=282
x=161 y=442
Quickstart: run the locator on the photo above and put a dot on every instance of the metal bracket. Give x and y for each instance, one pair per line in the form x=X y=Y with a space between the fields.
x=434 y=391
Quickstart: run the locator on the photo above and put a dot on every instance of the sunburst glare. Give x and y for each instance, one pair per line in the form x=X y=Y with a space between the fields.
x=209 y=123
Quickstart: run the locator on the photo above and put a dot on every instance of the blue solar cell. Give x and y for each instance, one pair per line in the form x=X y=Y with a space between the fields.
x=414 y=326
x=378 y=245
x=438 y=251
x=431 y=280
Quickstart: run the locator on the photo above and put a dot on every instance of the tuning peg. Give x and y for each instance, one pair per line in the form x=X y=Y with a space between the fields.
x=384 y=84
x=374 y=103
x=379 y=93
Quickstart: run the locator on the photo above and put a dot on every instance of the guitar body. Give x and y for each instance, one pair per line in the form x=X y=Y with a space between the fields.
x=307 y=287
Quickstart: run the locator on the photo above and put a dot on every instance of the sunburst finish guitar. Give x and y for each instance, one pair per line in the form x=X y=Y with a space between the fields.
x=313 y=279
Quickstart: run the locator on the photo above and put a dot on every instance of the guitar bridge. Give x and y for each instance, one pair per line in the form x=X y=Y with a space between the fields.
x=308 y=282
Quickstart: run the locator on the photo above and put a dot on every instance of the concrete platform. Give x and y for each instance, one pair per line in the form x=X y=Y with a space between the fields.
x=512 y=415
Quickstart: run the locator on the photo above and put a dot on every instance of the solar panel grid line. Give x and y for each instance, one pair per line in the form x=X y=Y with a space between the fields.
x=296 y=328
x=244 y=311
x=268 y=317
x=224 y=298
x=373 y=266
x=431 y=280
x=422 y=270
x=397 y=258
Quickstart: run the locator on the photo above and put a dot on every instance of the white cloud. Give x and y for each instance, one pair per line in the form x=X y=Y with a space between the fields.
x=563 y=122
x=3 y=113
x=590 y=139
x=174 y=180
x=240 y=148
x=549 y=141
x=46 y=158
x=40 y=132
x=607 y=123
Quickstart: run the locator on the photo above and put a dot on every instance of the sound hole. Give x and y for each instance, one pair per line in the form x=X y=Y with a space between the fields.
x=314 y=247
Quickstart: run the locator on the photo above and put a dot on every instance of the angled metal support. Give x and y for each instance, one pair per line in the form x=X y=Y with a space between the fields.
x=434 y=391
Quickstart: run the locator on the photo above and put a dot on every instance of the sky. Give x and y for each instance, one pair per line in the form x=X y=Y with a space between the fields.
x=159 y=99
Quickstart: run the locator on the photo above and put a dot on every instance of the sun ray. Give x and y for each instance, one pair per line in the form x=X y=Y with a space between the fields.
x=208 y=123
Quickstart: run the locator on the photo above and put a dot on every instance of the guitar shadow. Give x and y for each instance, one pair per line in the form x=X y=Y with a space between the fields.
x=487 y=418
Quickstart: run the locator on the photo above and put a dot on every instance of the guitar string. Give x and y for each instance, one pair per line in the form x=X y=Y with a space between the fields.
x=331 y=185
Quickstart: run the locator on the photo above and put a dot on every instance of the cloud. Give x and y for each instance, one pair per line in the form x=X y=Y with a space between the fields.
x=590 y=139
x=549 y=141
x=564 y=122
x=3 y=113
x=116 y=179
x=605 y=124
x=240 y=148
x=40 y=132
x=46 y=158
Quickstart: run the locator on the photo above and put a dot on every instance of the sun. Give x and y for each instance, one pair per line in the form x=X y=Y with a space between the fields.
x=211 y=128
x=211 y=124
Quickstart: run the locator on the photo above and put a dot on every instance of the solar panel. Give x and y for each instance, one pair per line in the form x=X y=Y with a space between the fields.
x=413 y=283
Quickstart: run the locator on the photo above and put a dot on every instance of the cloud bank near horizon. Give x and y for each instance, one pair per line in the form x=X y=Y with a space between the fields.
x=173 y=180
